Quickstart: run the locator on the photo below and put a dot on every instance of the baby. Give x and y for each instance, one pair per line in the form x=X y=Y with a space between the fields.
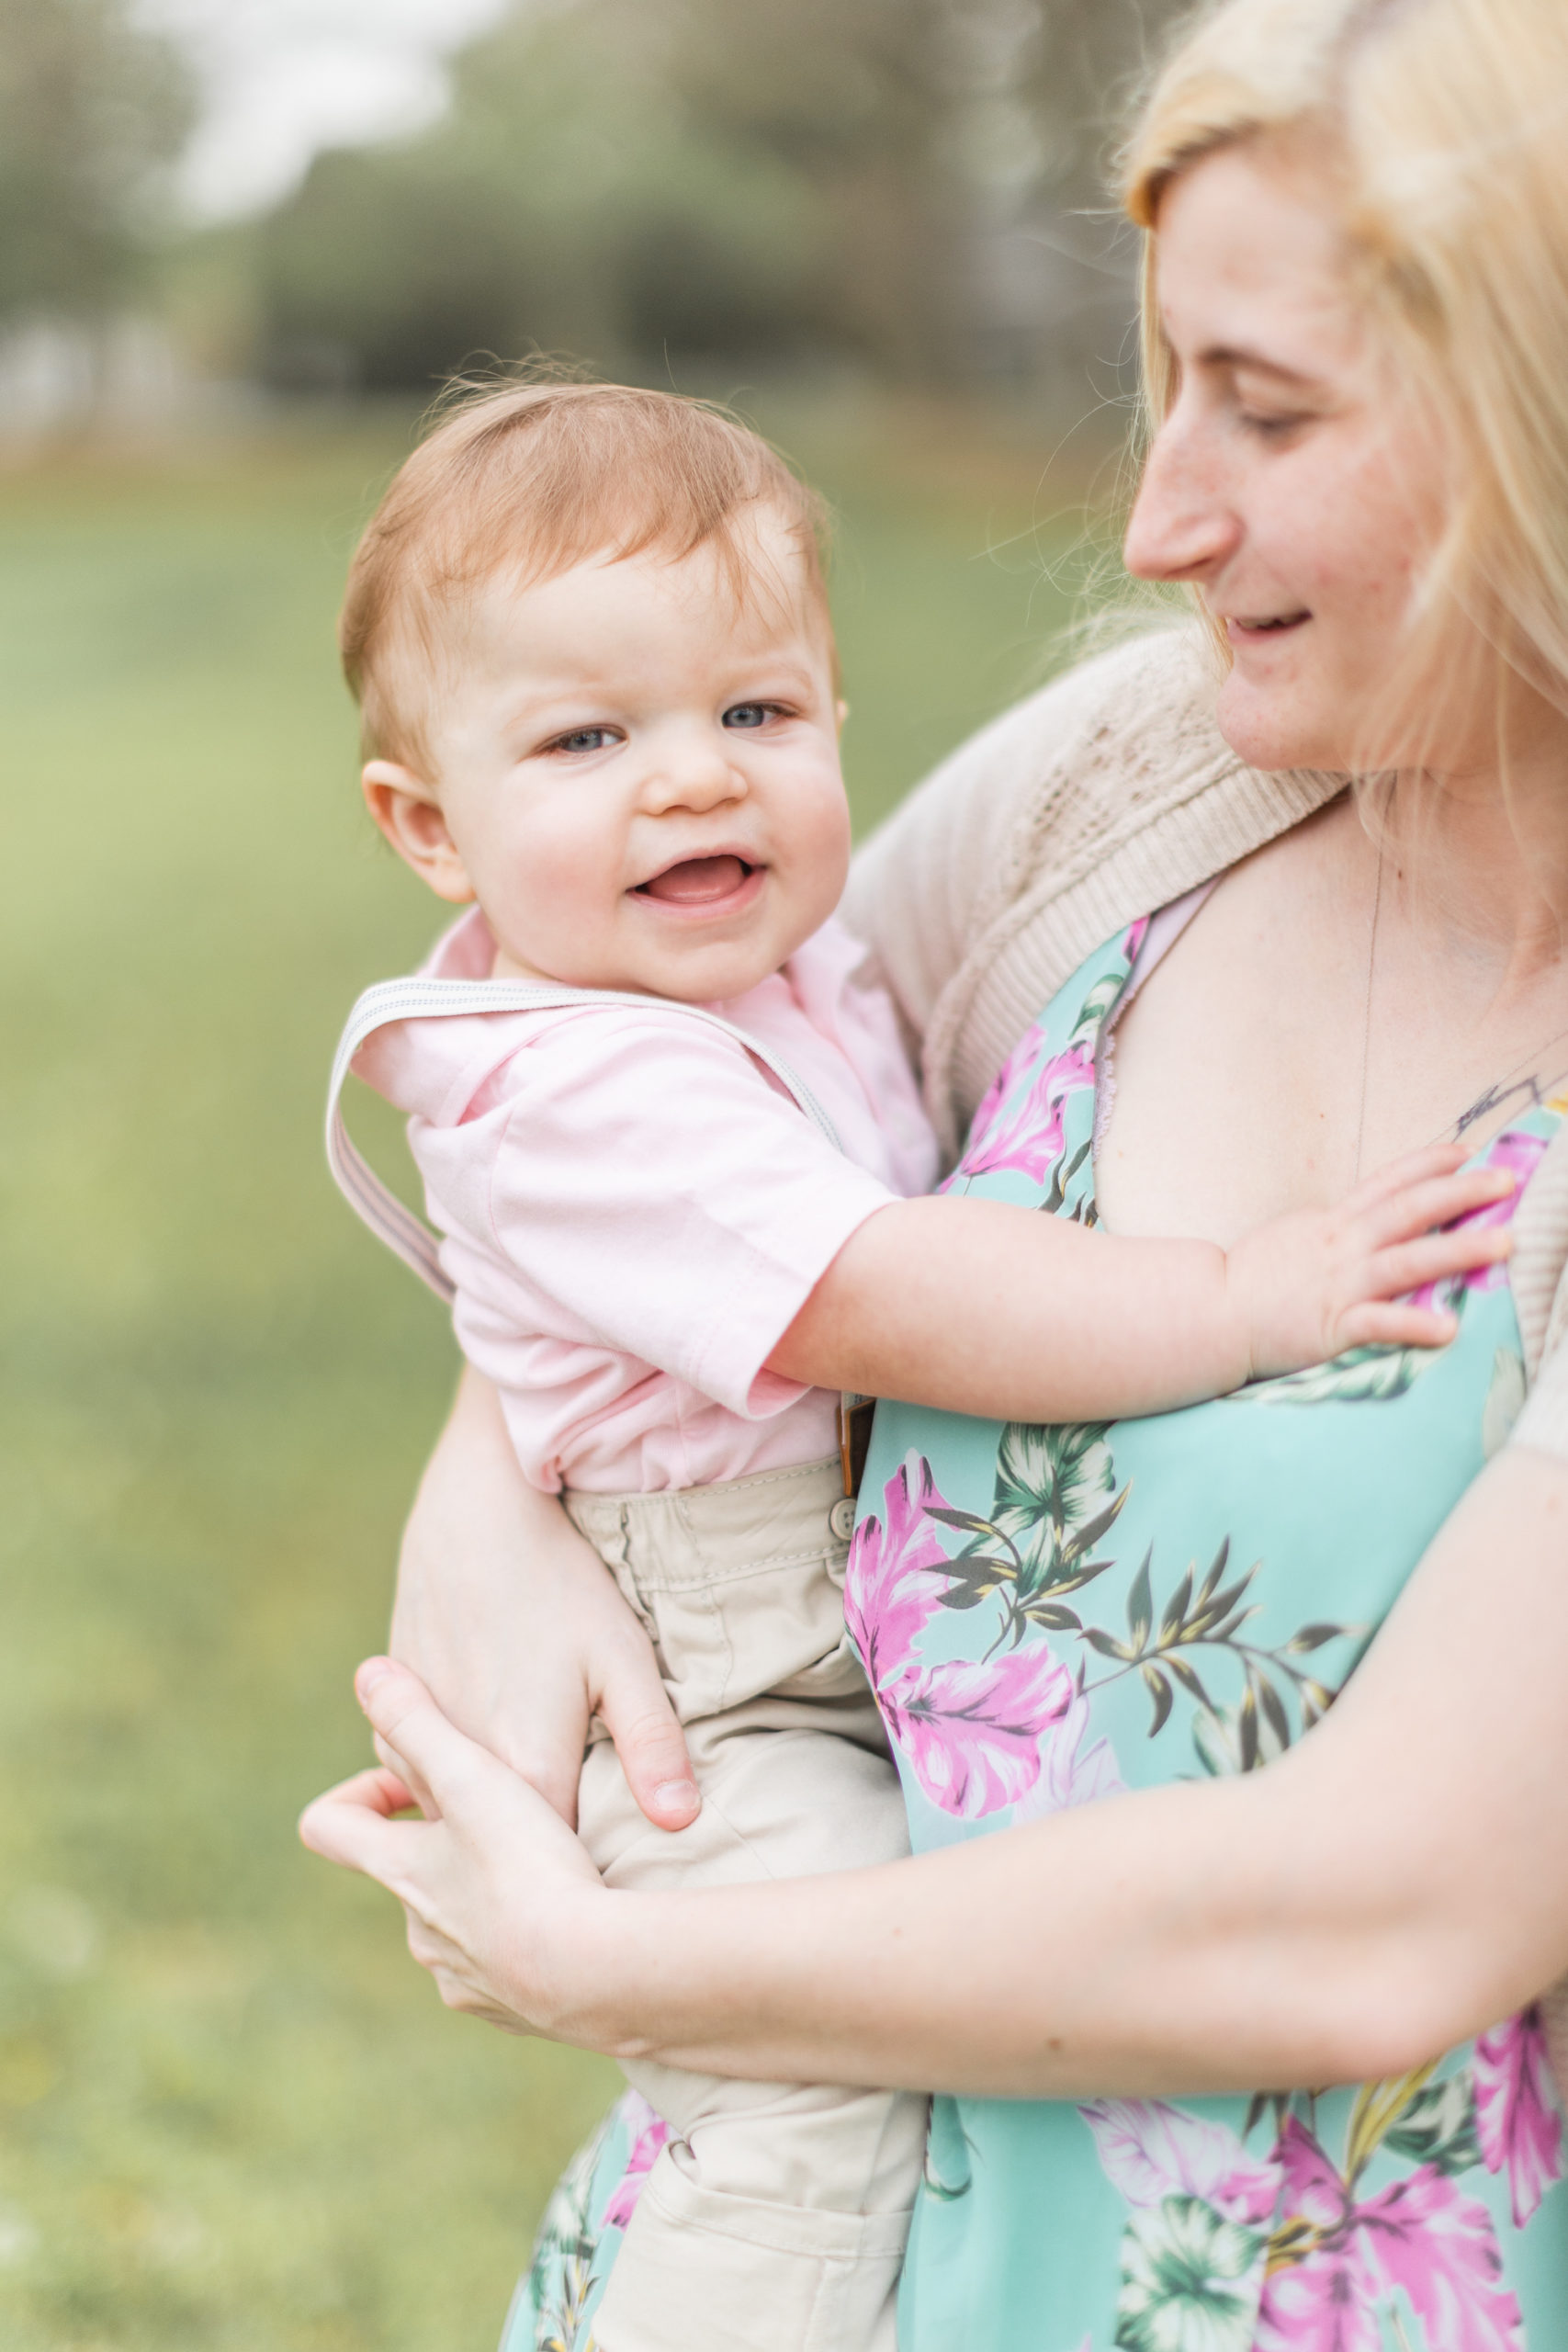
x=669 y=1133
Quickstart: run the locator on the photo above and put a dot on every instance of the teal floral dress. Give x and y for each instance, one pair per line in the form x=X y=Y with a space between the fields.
x=1051 y=1615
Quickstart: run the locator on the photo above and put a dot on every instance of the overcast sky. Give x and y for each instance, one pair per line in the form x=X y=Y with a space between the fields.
x=284 y=77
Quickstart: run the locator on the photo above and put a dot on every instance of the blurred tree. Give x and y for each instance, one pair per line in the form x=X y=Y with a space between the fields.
x=89 y=109
x=750 y=180
x=570 y=197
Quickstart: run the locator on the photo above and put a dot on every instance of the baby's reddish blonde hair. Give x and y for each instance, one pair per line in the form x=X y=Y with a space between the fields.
x=531 y=476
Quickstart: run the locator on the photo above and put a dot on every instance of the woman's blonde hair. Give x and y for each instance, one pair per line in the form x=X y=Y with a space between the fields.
x=1448 y=122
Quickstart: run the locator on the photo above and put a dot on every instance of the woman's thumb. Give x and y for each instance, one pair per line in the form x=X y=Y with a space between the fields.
x=405 y=1716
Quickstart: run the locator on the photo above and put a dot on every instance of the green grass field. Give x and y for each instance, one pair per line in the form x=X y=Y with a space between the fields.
x=232 y=2114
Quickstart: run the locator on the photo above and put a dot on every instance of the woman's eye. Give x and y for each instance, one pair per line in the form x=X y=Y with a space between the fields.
x=751 y=713
x=1267 y=425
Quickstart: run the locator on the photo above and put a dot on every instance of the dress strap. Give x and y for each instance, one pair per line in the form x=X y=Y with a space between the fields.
x=419 y=998
x=1166 y=927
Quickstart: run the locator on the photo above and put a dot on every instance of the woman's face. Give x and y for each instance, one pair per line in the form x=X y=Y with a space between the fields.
x=1291 y=483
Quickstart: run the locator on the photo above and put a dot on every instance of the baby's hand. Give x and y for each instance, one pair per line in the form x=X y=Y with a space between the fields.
x=1310 y=1285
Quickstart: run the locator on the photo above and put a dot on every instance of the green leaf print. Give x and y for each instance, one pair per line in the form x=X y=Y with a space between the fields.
x=1361 y=1377
x=1056 y=1500
x=1432 y=2122
x=1097 y=1005
x=564 y=2250
x=1055 y=1496
x=1054 y=1202
x=1439 y=2126
x=1159 y=1690
x=1061 y=1471
x=1190 y=2280
x=1229 y=1739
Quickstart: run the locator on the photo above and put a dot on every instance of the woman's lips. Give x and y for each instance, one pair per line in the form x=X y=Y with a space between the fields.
x=699 y=882
x=1249 y=631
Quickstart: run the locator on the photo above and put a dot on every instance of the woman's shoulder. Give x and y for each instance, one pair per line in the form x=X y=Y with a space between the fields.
x=1132 y=715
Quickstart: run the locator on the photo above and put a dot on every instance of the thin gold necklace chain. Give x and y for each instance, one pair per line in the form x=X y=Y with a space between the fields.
x=1491 y=1098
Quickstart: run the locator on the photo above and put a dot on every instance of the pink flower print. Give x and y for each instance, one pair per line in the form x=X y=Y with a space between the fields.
x=894 y=1577
x=1518 y=2120
x=1006 y=1079
x=1073 y=1769
x=1440 y=2245
x=651 y=2133
x=1028 y=1138
x=972 y=1731
x=1149 y=2151
x=1335 y=2264
x=1136 y=934
x=1521 y=1155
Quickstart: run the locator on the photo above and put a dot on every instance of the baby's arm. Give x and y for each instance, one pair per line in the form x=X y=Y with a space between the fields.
x=978 y=1306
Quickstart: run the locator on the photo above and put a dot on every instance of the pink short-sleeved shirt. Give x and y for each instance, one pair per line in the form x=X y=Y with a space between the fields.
x=633 y=1211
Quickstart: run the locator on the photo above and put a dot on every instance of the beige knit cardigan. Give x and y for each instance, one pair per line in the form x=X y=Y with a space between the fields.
x=1108 y=794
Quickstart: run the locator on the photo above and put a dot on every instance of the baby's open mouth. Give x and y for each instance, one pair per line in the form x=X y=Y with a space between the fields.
x=697 y=881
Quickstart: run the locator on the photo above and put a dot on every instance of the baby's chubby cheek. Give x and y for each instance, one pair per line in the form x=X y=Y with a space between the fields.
x=825 y=866
x=542 y=907
x=567 y=931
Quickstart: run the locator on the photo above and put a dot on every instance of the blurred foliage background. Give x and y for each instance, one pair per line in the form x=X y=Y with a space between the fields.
x=232 y=2115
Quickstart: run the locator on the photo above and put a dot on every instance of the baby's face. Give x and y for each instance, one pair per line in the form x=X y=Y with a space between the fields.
x=640 y=780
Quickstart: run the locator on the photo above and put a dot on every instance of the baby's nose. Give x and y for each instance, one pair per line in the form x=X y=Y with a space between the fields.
x=696 y=778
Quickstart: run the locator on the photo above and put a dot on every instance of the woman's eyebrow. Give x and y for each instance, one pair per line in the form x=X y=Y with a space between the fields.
x=1241 y=355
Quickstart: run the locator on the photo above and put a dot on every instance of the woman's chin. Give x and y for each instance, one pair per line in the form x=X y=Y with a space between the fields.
x=1273 y=724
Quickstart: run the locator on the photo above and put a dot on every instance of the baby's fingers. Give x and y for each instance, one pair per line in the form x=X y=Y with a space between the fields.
x=1392 y=1323
x=1438 y=1200
x=1434 y=1259
x=1399 y=1175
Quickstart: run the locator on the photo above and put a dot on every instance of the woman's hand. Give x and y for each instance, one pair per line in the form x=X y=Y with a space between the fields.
x=499 y=1896
x=1386 y=1888
x=515 y=1625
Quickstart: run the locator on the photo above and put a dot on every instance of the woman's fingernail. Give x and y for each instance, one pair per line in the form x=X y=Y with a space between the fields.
x=676 y=1796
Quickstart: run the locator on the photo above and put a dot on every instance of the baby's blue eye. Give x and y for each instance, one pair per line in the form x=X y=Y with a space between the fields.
x=749 y=714
x=584 y=739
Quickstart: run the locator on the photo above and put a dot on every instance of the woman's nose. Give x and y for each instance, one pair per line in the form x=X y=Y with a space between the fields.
x=1182 y=524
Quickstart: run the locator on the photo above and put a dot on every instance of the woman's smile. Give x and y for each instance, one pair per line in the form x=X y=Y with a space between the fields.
x=1246 y=630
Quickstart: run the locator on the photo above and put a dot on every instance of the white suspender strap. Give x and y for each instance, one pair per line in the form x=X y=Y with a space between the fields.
x=419 y=999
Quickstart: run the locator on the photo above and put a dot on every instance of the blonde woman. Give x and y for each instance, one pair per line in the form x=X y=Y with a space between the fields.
x=1311 y=898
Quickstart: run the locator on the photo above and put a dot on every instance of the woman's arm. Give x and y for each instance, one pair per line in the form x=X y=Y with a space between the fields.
x=1396 y=1883
x=518 y=1630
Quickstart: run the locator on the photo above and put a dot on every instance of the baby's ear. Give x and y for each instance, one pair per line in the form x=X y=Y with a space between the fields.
x=410 y=814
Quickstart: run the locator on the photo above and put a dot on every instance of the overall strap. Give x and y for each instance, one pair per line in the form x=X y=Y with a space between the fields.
x=421 y=999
